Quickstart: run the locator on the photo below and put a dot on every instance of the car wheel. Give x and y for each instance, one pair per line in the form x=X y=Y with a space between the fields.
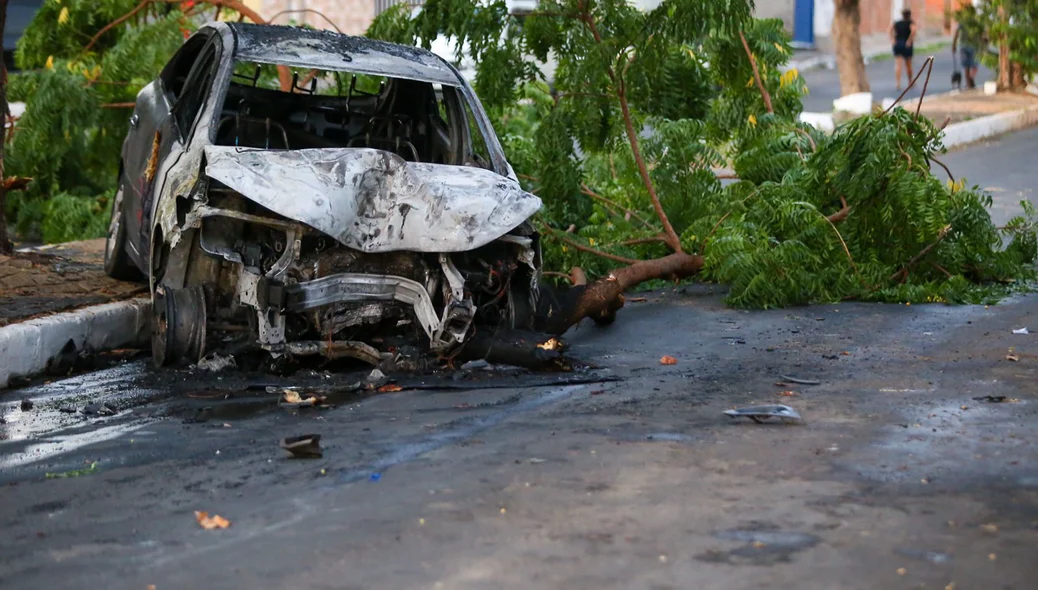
x=117 y=262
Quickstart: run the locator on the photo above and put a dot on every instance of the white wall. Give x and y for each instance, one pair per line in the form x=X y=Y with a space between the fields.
x=824 y=10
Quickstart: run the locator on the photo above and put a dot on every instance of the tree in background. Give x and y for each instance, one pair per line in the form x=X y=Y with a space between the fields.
x=5 y=241
x=846 y=33
x=1012 y=27
x=83 y=63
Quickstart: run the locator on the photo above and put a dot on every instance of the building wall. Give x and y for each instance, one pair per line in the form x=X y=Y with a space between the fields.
x=349 y=16
x=876 y=17
x=782 y=9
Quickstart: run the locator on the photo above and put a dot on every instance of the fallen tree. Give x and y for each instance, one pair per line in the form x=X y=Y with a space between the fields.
x=629 y=147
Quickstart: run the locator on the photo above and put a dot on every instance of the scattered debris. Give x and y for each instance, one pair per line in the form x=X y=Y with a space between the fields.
x=668 y=360
x=788 y=393
x=26 y=405
x=375 y=476
x=211 y=522
x=100 y=409
x=989 y=528
x=637 y=299
x=550 y=344
x=305 y=446
x=216 y=362
x=475 y=365
x=931 y=556
x=375 y=379
x=390 y=388
x=1012 y=356
x=74 y=473
x=1021 y=331
x=799 y=381
x=761 y=413
x=67 y=410
x=291 y=398
x=992 y=399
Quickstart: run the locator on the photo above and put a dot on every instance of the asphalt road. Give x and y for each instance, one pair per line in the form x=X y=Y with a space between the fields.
x=824 y=84
x=1003 y=166
x=898 y=478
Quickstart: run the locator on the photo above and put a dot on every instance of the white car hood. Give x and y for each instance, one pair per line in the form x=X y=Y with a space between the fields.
x=374 y=201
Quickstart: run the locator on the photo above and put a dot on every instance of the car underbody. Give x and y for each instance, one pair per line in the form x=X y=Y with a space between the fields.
x=299 y=292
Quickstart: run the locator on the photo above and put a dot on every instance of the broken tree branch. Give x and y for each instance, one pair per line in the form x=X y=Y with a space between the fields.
x=756 y=74
x=902 y=274
x=814 y=146
x=950 y=175
x=577 y=276
x=113 y=24
x=926 y=83
x=588 y=249
x=632 y=136
x=907 y=88
x=590 y=193
x=842 y=214
x=601 y=299
x=284 y=74
x=650 y=240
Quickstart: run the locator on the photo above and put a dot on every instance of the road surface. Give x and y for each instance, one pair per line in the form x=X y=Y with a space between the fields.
x=824 y=84
x=1002 y=166
x=622 y=475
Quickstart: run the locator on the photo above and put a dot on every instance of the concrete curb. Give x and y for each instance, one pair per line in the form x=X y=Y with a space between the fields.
x=967 y=132
x=26 y=348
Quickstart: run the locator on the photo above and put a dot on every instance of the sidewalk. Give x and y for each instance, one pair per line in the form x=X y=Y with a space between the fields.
x=56 y=302
x=873 y=48
x=52 y=279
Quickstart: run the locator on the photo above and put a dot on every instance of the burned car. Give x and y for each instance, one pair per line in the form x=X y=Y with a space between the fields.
x=319 y=194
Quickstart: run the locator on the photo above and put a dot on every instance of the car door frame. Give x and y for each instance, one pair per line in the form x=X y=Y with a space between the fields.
x=143 y=150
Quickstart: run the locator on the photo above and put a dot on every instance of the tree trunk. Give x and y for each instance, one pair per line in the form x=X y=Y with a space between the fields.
x=601 y=299
x=1004 y=81
x=947 y=17
x=5 y=242
x=847 y=41
x=1016 y=76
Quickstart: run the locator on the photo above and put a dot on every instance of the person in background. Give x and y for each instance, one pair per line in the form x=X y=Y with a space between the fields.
x=902 y=35
x=969 y=54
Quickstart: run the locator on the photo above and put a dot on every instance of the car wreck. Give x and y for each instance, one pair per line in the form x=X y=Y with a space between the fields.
x=365 y=210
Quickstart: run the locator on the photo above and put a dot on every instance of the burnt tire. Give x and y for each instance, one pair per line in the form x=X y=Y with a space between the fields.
x=117 y=261
x=178 y=326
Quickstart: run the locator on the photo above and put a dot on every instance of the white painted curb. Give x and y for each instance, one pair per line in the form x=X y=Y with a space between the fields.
x=966 y=132
x=27 y=347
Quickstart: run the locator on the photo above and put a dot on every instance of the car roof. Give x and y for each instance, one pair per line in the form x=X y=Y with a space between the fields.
x=327 y=50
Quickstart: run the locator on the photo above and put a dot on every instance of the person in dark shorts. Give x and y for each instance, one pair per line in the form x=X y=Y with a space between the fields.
x=902 y=35
x=962 y=40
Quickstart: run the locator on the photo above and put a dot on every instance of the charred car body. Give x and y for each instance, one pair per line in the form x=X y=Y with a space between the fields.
x=369 y=203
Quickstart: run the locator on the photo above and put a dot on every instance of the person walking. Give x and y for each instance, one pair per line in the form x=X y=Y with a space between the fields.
x=902 y=35
x=963 y=39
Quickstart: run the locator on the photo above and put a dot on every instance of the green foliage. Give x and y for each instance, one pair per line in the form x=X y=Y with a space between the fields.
x=71 y=134
x=694 y=106
x=988 y=23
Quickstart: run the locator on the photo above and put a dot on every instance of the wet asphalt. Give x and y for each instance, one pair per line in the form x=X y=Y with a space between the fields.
x=631 y=478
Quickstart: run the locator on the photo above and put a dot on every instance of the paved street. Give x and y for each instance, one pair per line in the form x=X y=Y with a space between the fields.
x=622 y=475
x=824 y=84
x=1003 y=166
